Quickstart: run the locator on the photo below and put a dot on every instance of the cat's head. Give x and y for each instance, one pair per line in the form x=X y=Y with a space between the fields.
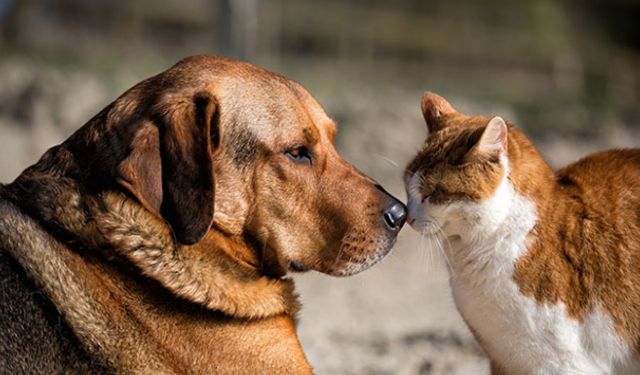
x=455 y=179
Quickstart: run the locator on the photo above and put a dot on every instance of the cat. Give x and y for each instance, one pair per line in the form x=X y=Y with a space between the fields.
x=544 y=264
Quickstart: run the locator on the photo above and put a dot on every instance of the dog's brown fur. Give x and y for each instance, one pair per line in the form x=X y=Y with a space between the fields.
x=117 y=226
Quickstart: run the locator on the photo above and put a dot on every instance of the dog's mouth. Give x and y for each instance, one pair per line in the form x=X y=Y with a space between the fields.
x=356 y=264
x=359 y=251
x=348 y=253
x=350 y=259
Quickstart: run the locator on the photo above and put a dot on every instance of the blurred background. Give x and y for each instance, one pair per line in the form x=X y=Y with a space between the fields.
x=566 y=72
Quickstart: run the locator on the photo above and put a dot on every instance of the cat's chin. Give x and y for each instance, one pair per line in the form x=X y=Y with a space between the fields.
x=429 y=229
x=433 y=230
x=454 y=238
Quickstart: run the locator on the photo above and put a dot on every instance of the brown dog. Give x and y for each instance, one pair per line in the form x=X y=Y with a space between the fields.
x=159 y=233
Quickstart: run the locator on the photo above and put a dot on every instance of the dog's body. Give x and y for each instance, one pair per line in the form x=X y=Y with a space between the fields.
x=115 y=229
x=37 y=338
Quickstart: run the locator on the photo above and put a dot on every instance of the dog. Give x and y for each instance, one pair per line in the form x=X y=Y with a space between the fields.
x=157 y=237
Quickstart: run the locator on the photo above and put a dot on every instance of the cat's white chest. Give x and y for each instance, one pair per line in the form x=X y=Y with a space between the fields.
x=528 y=338
x=523 y=336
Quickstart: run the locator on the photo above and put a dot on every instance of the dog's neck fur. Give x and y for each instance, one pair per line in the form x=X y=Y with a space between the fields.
x=110 y=259
x=117 y=226
x=132 y=322
x=57 y=271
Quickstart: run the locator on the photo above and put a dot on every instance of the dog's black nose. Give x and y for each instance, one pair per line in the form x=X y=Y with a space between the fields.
x=395 y=213
x=395 y=216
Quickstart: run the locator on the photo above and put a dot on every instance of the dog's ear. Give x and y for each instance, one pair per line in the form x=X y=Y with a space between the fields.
x=169 y=167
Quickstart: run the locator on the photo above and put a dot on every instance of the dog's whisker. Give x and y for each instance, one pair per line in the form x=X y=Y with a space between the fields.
x=339 y=254
x=341 y=249
x=350 y=260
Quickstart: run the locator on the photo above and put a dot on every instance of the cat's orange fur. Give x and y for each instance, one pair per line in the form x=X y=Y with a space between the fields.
x=579 y=261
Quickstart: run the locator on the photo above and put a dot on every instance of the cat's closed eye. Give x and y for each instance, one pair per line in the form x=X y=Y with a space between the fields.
x=436 y=194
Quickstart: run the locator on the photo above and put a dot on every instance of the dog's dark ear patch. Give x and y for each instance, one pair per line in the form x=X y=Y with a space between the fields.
x=187 y=170
x=140 y=172
x=169 y=167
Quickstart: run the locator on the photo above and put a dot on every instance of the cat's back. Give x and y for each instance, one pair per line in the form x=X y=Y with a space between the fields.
x=607 y=181
x=614 y=165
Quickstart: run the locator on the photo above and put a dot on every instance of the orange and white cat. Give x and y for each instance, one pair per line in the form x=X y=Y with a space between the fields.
x=545 y=266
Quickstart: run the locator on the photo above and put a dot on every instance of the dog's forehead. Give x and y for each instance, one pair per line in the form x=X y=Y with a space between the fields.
x=269 y=105
x=324 y=123
x=274 y=109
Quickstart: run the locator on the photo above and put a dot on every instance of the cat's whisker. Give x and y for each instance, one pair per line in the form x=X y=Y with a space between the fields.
x=421 y=248
x=433 y=252
x=430 y=259
x=439 y=235
x=443 y=252
x=433 y=249
x=428 y=249
x=446 y=238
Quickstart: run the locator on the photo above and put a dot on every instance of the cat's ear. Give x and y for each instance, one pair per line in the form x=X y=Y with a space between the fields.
x=433 y=108
x=494 y=138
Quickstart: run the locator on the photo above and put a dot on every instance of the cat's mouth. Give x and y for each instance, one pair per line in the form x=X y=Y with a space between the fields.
x=425 y=227
x=421 y=218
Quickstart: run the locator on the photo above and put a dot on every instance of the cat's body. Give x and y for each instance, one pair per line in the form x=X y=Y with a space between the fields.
x=545 y=265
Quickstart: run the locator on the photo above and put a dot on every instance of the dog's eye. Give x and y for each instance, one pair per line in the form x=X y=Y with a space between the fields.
x=299 y=154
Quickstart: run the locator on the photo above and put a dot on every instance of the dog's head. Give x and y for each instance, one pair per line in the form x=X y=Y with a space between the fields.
x=213 y=142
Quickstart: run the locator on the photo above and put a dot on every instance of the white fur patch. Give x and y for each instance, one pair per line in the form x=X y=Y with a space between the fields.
x=485 y=239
